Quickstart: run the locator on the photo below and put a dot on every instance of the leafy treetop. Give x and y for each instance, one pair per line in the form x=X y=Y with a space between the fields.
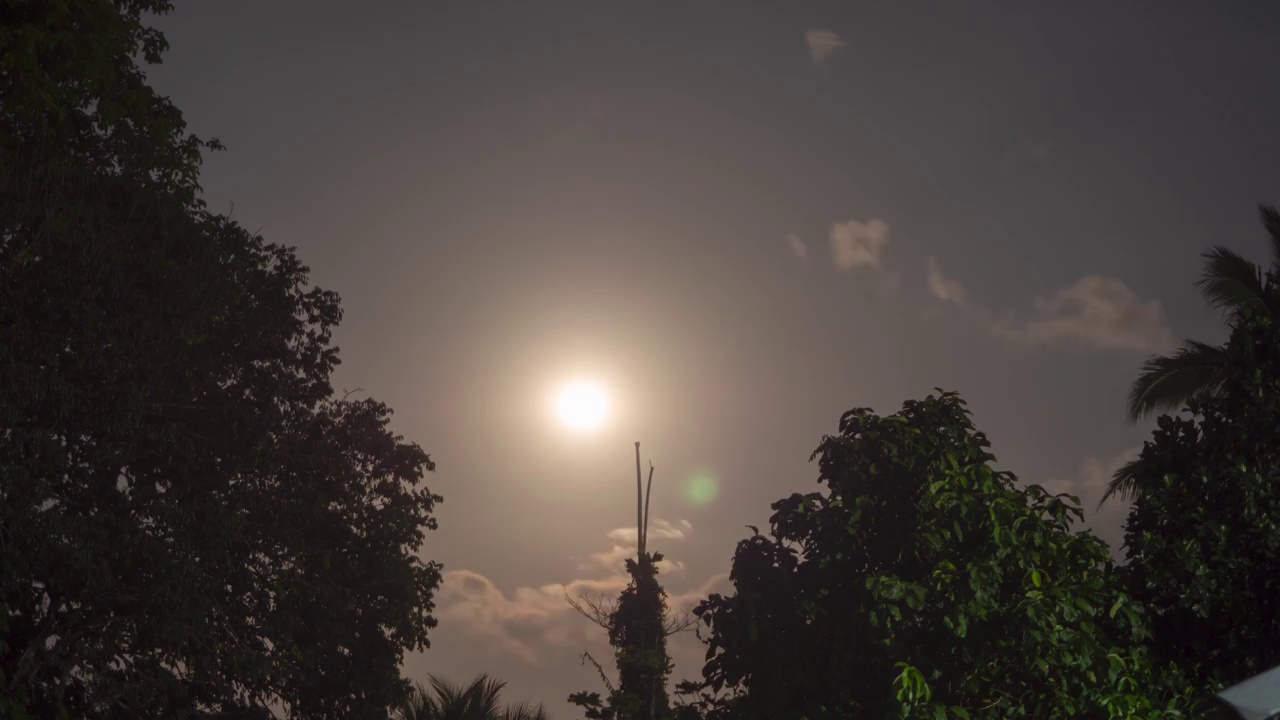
x=926 y=584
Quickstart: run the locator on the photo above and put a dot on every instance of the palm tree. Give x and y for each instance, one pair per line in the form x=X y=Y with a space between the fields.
x=1197 y=370
x=476 y=701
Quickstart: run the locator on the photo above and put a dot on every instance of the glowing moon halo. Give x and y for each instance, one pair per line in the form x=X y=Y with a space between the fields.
x=582 y=406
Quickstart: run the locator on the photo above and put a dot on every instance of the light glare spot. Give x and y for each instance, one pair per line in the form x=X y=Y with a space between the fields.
x=702 y=488
x=582 y=406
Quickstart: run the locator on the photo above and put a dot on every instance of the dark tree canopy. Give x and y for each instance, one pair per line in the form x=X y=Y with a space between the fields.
x=73 y=96
x=923 y=583
x=638 y=626
x=1203 y=537
x=191 y=523
x=1198 y=371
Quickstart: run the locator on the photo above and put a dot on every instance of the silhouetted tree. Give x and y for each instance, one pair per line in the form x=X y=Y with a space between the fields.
x=191 y=523
x=1199 y=371
x=923 y=584
x=1231 y=283
x=1203 y=536
x=638 y=627
x=480 y=700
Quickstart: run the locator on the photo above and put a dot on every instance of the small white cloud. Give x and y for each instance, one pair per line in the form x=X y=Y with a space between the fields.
x=616 y=558
x=797 y=247
x=822 y=44
x=857 y=244
x=945 y=288
x=1107 y=522
x=658 y=529
x=1101 y=312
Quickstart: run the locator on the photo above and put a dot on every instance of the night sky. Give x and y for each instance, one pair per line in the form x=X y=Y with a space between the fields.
x=741 y=219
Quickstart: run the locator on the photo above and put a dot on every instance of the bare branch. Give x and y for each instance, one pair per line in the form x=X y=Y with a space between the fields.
x=599 y=611
x=678 y=622
x=604 y=678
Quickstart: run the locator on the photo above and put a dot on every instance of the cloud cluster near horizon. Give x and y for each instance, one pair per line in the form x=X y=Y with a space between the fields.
x=532 y=622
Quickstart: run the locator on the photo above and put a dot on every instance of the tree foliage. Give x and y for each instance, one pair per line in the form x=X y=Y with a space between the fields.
x=191 y=522
x=481 y=699
x=73 y=97
x=923 y=583
x=638 y=626
x=1197 y=371
x=1203 y=537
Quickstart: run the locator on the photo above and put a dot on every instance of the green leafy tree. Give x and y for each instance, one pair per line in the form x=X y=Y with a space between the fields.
x=192 y=524
x=923 y=584
x=479 y=700
x=1203 y=536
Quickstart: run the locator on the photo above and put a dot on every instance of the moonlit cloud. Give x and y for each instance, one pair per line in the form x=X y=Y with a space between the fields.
x=531 y=624
x=945 y=288
x=617 y=556
x=857 y=244
x=532 y=620
x=822 y=44
x=1089 y=484
x=658 y=529
x=1101 y=312
x=524 y=622
x=1095 y=311
x=797 y=247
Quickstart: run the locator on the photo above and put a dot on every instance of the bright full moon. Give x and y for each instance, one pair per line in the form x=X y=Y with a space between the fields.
x=582 y=406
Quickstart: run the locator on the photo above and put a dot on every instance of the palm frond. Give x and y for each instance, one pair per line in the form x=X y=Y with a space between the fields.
x=525 y=711
x=479 y=699
x=450 y=699
x=1124 y=483
x=420 y=705
x=1230 y=281
x=483 y=698
x=1168 y=382
x=1271 y=221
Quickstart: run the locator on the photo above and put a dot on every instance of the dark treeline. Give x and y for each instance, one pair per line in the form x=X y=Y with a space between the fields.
x=194 y=524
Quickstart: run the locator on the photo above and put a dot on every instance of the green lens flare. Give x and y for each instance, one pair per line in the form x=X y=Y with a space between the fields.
x=701 y=488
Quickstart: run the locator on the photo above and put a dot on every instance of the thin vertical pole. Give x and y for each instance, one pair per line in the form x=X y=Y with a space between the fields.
x=639 y=508
x=648 y=493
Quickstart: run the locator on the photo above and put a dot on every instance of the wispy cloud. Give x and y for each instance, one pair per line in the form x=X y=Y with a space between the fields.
x=857 y=244
x=822 y=44
x=616 y=557
x=1089 y=484
x=534 y=623
x=1101 y=312
x=797 y=247
x=943 y=287
x=531 y=621
x=658 y=528
x=1095 y=311
x=522 y=623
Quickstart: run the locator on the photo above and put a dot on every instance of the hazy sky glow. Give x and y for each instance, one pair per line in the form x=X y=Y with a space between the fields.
x=742 y=219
